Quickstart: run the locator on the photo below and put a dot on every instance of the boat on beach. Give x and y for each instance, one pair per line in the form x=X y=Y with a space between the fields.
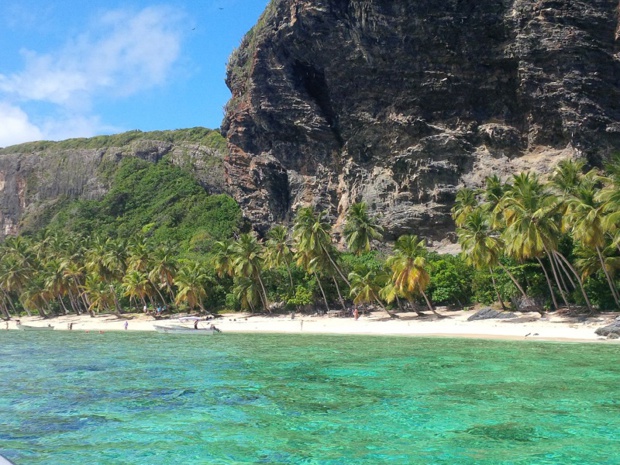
x=183 y=329
x=34 y=328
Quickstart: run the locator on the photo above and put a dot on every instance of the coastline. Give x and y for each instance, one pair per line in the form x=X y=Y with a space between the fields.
x=454 y=324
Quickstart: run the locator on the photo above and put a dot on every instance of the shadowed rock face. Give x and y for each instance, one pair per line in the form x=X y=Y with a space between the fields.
x=398 y=103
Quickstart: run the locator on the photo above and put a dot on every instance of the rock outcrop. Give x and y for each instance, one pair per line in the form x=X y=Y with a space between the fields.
x=35 y=176
x=398 y=103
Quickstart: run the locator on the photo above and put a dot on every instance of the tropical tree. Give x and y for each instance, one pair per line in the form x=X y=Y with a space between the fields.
x=248 y=262
x=584 y=218
x=192 y=281
x=408 y=264
x=464 y=203
x=360 y=229
x=278 y=253
x=366 y=286
x=531 y=214
x=481 y=247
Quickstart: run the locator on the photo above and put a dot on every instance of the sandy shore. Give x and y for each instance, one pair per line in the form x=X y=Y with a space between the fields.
x=529 y=326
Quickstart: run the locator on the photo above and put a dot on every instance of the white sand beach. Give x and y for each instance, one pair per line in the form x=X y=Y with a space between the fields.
x=528 y=326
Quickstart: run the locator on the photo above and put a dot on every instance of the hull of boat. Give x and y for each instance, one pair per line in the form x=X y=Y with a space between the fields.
x=34 y=328
x=182 y=330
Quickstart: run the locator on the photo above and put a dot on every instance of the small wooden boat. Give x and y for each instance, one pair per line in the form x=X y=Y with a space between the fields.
x=34 y=328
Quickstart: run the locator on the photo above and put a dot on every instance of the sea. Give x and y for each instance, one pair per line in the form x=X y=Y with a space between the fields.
x=146 y=398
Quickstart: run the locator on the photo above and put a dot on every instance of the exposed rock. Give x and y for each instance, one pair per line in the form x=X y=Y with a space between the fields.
x=489 y=313
x=33 y=177
x=609 y=330
x=398 y=103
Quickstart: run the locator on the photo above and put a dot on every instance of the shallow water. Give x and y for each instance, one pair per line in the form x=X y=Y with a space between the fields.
x=136 y=398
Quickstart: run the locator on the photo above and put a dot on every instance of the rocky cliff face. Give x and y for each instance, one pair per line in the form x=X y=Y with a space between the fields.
x=34 y=177
x=398 y=103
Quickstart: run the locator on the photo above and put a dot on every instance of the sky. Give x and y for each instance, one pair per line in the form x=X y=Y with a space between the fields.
x=80 y=68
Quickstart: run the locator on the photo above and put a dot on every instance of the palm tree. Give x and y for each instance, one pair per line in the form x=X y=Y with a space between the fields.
x=584 y=218
x=164 y=268
x=223 y=255
x=609 y=196
x=532 y=217
x=278 y=252
x=360 y=229
x=312 y=235
x=408 y=265
x=464 y=203
x=191 y=281
x=136 y=285
x=482 y=247
x=365 y=288
x=248 y=262
x=246 y=292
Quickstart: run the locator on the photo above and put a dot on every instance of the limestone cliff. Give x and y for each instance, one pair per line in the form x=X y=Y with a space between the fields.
x=399 y=102
x=35 y=176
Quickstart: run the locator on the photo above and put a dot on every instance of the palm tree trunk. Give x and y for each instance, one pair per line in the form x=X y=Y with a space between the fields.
x=262 y=286
x=565 y=270
x=428 y=303
x=62 y=304
x=318 y=281
x=513 y=279
x=555 y=302
x=163 y=301
x=390 y=314
x=610 y=282
x=555 y=276
x=499 y=297
x=339 y=294
x=583 y=291
x=6 y=298
x=336 y=267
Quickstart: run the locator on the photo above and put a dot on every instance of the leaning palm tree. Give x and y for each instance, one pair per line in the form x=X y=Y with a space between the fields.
x=360 y=229
x=311 y=233
x=609 y=196
x=408 y=265
x=531 y=214
x=482 y=247
x=585 y=220
x=365 y=288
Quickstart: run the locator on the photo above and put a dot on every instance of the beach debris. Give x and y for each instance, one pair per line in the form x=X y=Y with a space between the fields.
x=488 y=313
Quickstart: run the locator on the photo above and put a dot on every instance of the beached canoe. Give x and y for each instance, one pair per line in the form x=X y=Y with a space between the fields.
x=34 y=328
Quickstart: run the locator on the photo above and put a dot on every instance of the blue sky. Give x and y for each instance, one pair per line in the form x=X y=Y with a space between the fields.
x=78 y=68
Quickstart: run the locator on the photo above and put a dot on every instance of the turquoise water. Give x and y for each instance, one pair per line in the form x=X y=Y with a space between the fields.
x=136 y=398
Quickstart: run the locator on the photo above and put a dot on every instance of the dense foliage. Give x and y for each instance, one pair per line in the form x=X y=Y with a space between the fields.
x=198 y=135
x=158 y=240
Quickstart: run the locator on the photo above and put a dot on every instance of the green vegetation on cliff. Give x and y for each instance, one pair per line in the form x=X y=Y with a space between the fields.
x=158 y=197
x=198 y=135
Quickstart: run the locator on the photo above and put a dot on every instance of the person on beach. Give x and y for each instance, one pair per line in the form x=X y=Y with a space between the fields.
x=356 y=313
x=126 y=325
x=196 y=324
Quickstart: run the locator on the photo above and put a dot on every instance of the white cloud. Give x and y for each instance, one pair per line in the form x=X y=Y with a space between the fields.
x=15 y=126
x=121 y=54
